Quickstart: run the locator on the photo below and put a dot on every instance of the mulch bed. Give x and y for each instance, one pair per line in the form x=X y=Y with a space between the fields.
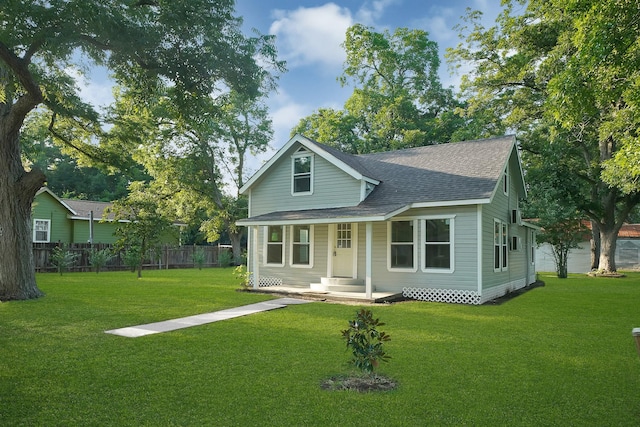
x=361 y=384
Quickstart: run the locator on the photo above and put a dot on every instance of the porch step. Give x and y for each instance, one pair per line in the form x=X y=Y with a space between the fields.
x=338 y=284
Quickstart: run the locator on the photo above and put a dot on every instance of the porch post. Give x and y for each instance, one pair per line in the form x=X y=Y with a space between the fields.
x=254 y=256
x=368 y=251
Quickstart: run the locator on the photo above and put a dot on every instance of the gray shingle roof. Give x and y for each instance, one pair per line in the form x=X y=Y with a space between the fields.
x=84 y=207
x=453 y=172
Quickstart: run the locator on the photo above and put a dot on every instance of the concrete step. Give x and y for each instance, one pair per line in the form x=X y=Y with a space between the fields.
x=320 y=287
x=341 y=281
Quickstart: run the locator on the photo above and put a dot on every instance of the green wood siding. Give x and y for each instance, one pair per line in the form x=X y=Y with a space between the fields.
x=47 y=207
x=102 y=232
x=331 y=188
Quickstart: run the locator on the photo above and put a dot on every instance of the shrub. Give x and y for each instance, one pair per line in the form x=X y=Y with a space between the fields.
x=62 y=259
x=241 y=273
x=365 y=341
x=99 y=258
x=225 y=258
x=199 y=257
x=132 y=257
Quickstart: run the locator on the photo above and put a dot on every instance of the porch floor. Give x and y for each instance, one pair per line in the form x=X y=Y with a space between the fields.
x=303 y=291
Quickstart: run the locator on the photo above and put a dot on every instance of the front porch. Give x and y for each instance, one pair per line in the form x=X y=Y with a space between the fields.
x=331 y=289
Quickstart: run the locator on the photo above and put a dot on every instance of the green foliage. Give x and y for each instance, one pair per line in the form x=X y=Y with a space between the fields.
x=365 y=341
x=98 y=258
x=145 y=222
x=133 y=257
x=62 y=259
x=225 y=257
x=398 y=100
x=240 y=273
x=199 y=257
x=565 y=76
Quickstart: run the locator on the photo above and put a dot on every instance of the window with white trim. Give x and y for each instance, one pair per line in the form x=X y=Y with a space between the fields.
x=41 y=230
x=301 y=246
x=438 y=244
x=302 y=174
x=274 y=242
x=505 y=181
x=500 y=245
x=402 y=247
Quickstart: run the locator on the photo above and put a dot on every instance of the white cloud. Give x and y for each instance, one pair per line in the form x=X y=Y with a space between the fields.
x=370 y=12
x=312 y=36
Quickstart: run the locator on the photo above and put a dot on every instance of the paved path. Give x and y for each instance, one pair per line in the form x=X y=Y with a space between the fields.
x=201 y=319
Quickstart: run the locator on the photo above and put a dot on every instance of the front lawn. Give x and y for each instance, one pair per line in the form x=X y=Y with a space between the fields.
x=562 y=354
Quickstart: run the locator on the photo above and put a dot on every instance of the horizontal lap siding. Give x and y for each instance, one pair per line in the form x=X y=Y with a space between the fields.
x=296 y=275
x=464 y=275
x=331 y=188
x=46 y=207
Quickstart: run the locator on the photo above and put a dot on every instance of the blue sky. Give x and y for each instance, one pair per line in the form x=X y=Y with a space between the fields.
x=309 y=33
x=308 y=36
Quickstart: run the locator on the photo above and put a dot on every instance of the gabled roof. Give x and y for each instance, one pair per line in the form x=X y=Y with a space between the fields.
x=58 y=199
x=460 y=173
x=83 y=209
x=346 y=162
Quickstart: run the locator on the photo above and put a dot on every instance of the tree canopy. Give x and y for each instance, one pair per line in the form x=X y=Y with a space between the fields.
x=565 y=74
x=398 y=100
x=196 y=49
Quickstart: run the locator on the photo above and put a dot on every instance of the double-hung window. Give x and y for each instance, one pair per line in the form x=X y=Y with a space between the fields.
x=302 y=246
x=438 y=245
x=500 y=245
x=402 y=245
x=41 y=230
x=302 y=174
x=274 y=242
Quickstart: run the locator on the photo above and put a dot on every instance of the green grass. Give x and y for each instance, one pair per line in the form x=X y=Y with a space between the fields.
x=557 y=355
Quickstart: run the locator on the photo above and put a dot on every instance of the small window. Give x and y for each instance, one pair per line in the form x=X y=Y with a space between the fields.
x=302 y=179
x=41 y=230
x=500 y=245
x=505 y=181
x=402 y=249
x=275 y=245
x=301 y=245
x=438 y=240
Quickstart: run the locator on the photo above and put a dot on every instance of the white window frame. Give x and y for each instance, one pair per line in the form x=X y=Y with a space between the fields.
x=415 y=243
x=48 y=222
x=533 y=247
x=265 y=250
x=500 y=241
x=295 y=157
x=505 y=181
x=424 y=243
x=292 y=243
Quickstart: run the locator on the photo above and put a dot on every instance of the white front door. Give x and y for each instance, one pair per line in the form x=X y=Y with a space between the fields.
x=344 y=250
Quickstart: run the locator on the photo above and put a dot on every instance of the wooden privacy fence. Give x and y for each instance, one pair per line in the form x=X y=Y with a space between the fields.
x=167 y=257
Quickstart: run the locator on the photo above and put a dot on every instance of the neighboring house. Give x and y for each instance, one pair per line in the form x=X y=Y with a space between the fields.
x=579 y=261
x=437 y=223
x=70 y=221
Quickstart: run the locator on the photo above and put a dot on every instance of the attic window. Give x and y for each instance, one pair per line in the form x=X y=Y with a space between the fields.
x=302 y=174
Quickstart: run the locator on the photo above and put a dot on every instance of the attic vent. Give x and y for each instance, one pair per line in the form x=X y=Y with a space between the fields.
x=302 y=150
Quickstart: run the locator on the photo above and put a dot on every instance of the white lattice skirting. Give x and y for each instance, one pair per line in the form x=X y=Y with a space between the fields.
x=458 y=296
x=455 y=296
x=266 y=281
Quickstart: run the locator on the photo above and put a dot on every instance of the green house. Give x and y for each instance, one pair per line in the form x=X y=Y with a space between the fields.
x=70 y=221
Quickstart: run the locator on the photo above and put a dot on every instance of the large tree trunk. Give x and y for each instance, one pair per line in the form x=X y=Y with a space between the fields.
x=17 y=191
x=608 y=240
x=595 y=245
x=236 y=247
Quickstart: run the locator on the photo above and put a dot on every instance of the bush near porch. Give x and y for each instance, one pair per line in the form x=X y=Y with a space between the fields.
x=561 y=354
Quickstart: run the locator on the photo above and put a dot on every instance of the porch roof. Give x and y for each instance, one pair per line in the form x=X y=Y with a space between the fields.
x=358 y=213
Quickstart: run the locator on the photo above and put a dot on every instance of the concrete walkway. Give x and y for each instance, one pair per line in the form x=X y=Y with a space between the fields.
x=201 y=319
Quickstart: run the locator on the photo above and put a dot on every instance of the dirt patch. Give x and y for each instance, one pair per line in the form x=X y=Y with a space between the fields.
x=361 y=384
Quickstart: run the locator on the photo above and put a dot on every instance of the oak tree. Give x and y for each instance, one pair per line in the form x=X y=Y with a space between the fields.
x=195 y=47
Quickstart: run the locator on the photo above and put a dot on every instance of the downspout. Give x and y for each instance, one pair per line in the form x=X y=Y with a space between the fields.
x=479 y=248
x=91 y=228
x=369 y=252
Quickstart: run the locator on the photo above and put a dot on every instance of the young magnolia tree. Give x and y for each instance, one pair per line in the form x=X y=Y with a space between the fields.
x=195 y=47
